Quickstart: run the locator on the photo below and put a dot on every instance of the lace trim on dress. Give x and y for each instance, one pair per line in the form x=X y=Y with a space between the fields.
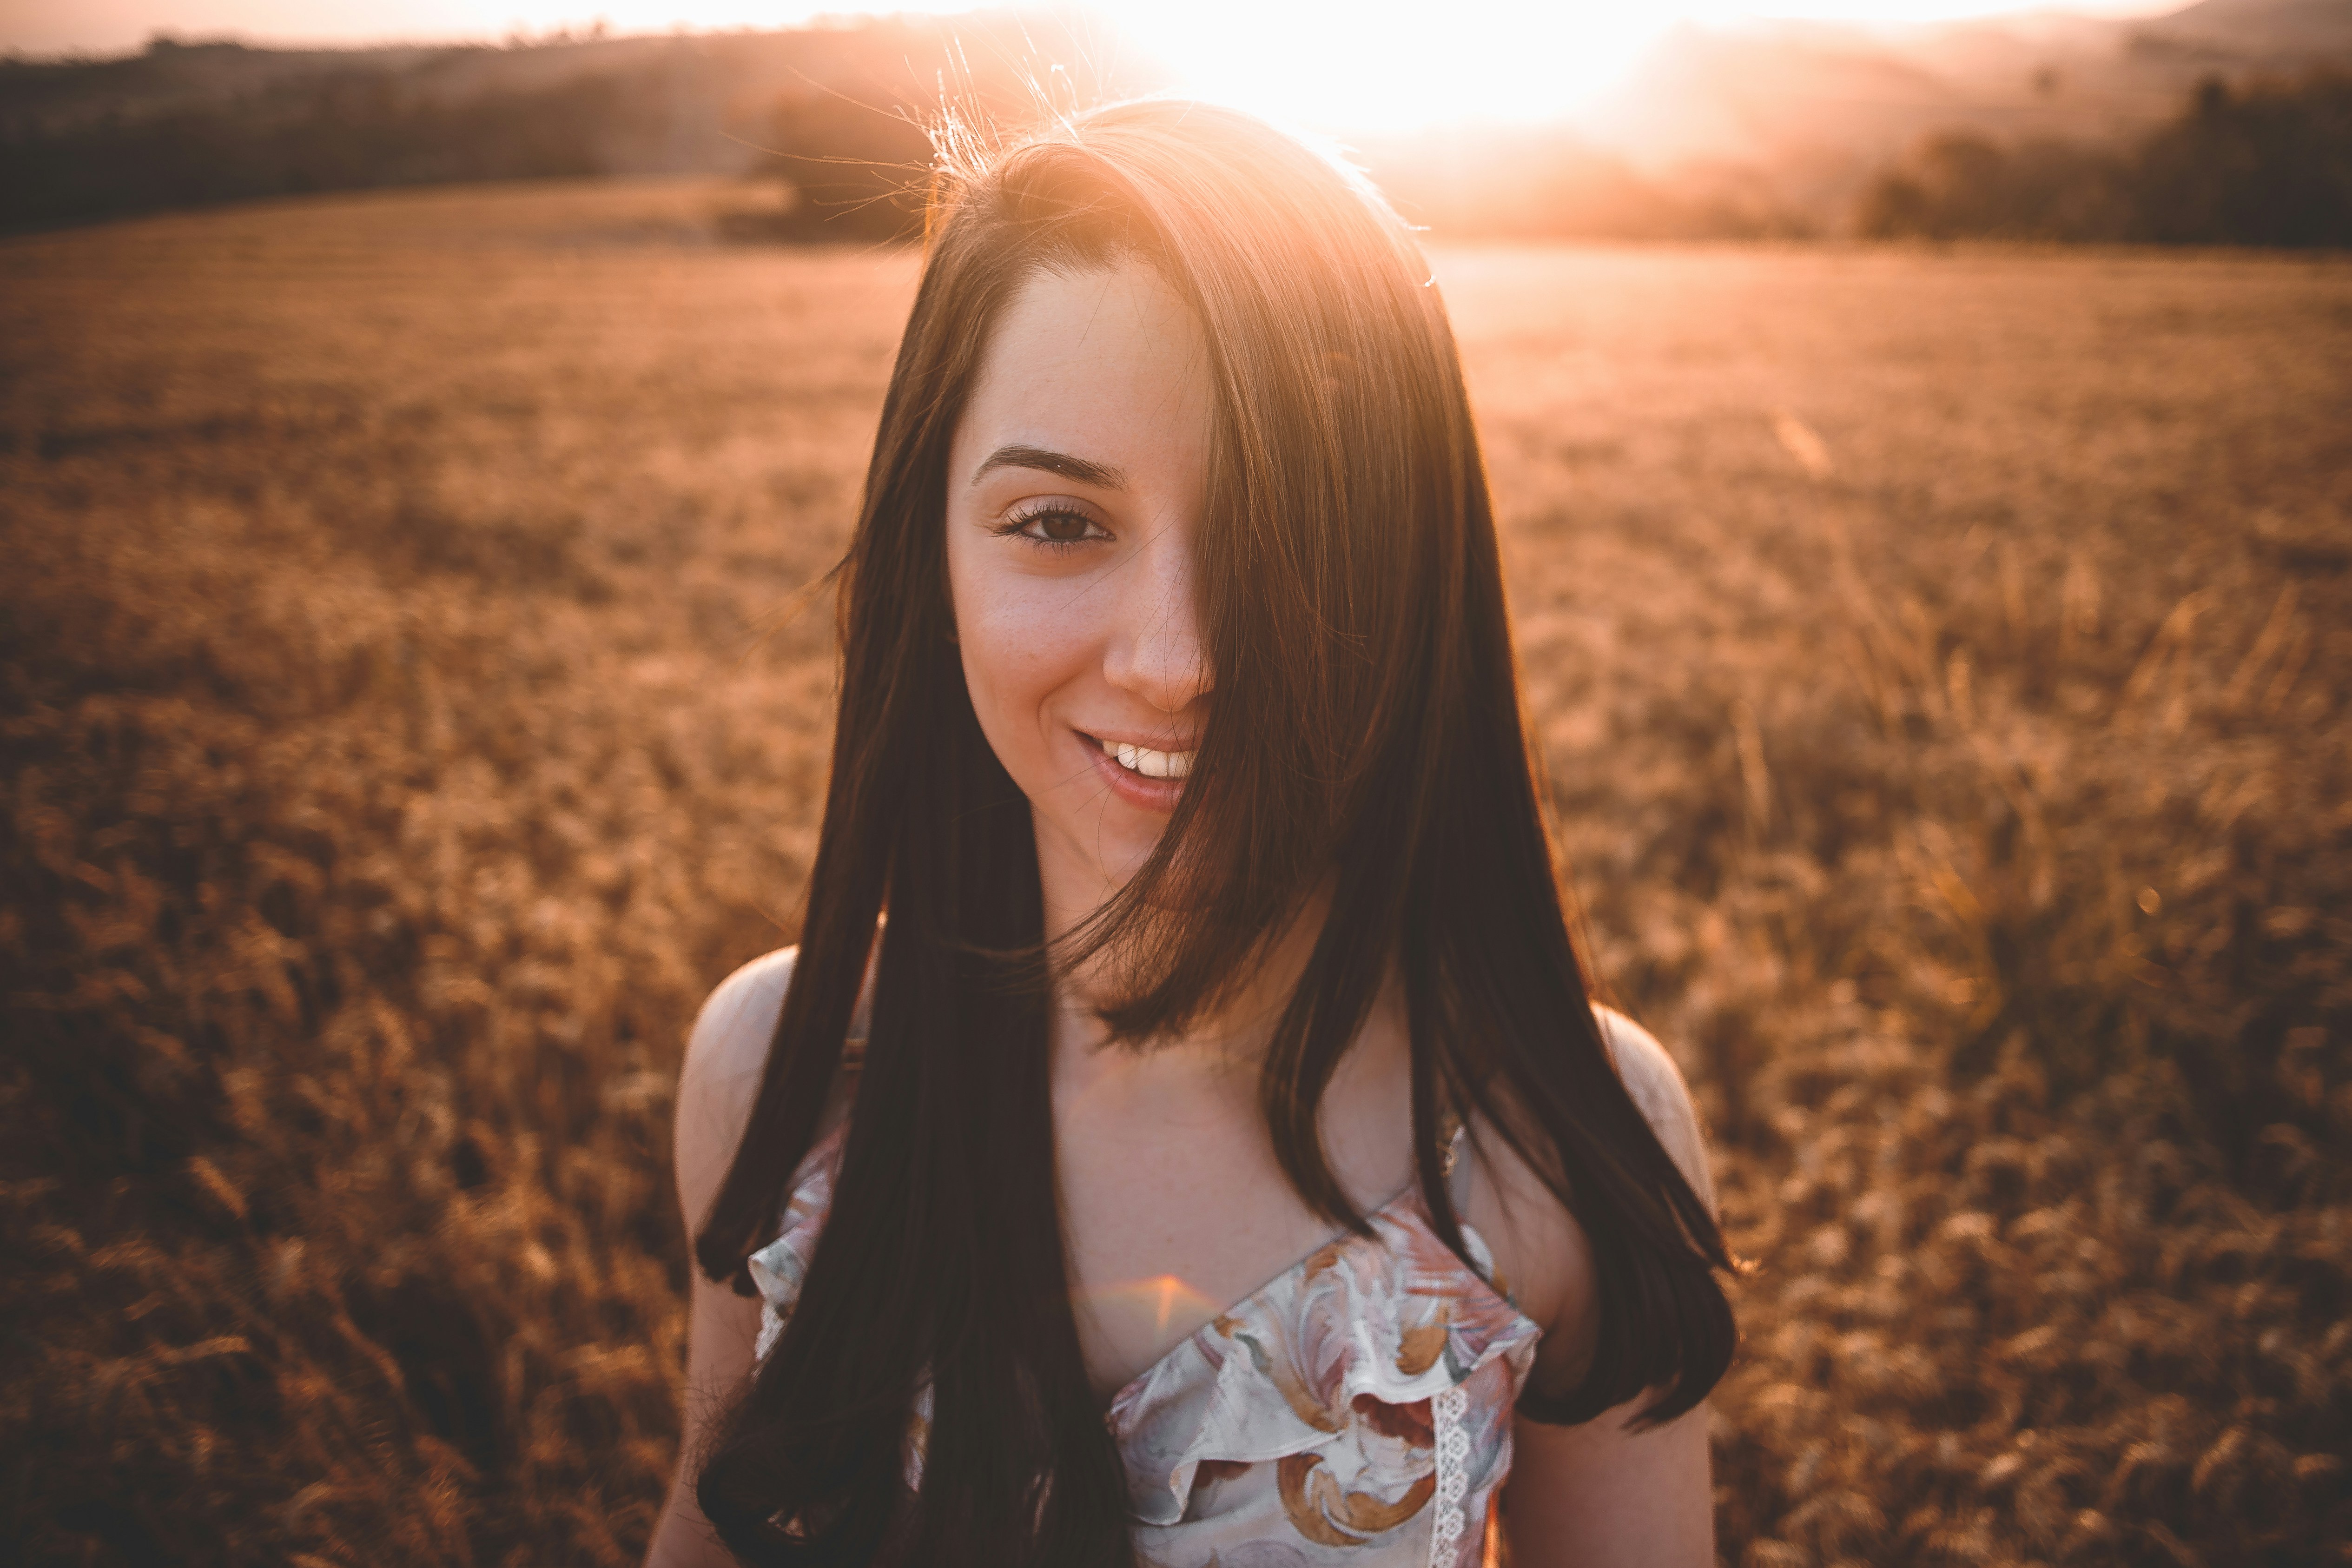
x=1453 y=1445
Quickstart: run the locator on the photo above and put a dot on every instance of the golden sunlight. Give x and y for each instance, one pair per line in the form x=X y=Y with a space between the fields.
x=1161 y=1295
x=1396 y=65
x=1391 y=66
x=1373 y=65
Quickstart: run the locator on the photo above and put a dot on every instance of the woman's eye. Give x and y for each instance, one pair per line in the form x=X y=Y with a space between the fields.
x=1057 y=525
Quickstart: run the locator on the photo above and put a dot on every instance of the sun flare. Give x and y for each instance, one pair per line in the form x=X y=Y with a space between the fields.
x=1382 y=67
x=1386 y=66
x=1163 y=1296
x=1374 y=66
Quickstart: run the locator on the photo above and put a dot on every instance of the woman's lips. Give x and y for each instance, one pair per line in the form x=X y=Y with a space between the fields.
x=1136 y=789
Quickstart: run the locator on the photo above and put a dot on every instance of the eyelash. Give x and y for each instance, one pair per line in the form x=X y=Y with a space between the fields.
x=1018 y=525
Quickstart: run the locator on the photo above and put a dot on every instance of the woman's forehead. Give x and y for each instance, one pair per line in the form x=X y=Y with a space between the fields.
x=1106 y=365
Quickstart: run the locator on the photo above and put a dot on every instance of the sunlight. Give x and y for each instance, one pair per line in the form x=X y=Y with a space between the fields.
x=1387 y=65
x=1161 y=1295
x=1374 y=65
x=1380 y=67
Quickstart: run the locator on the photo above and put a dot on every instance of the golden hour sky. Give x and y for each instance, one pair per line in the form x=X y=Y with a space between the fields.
x=1332 y=63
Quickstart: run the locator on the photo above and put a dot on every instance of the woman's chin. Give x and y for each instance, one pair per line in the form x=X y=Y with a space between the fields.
x=1116 y=861
x=1108 y=820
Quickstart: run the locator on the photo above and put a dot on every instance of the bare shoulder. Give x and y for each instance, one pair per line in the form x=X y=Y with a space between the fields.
x=1657 y=1088
x=1541 y=1252
x=725 y=1056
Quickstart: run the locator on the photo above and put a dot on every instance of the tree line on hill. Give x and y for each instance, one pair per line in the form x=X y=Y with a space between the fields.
x=353 y=129
x=832 y=120
x=2268 y=164
x=834 y=111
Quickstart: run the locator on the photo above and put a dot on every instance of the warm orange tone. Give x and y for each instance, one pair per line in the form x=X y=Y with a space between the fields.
x=402 y=738
x=1163 y=1295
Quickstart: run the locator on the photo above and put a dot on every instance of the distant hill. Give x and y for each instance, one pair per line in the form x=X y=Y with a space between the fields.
x=2289 y=29
x=185 y=124
x=1777 y=129
x=1800 y=115
x=712 y=92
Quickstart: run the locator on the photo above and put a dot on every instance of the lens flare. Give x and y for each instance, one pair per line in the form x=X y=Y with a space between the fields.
x=1165 y=1297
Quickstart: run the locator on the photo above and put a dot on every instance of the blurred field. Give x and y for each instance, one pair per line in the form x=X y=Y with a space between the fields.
x=1941 y=660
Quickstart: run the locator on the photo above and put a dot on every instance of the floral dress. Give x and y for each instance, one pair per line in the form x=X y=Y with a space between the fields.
x=1355 y=1410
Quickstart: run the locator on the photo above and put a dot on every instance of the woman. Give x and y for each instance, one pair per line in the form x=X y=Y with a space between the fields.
x=1233 y=1168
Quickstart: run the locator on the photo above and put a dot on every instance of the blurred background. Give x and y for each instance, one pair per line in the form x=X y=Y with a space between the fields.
x=1922 y=441
x=2222 y=122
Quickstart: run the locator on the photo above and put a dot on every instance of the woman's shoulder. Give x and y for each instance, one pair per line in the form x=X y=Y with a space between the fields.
x=1655 y=1083
x=741 y=1013
x=1536 y=1240
x=725 y=1055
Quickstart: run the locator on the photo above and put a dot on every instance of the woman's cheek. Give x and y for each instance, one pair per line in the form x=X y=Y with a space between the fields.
x=1015 y=659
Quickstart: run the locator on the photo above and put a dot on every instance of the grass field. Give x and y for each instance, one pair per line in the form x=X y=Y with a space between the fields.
x=1941 y=662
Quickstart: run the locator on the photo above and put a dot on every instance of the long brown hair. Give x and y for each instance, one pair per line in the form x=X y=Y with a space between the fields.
x=1365 y=737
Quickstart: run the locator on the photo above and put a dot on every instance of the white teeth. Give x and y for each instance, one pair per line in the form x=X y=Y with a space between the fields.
x=1151 y=764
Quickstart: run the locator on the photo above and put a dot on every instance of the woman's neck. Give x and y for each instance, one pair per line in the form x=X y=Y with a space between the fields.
x=1209 y=1074
x=1235 y=1031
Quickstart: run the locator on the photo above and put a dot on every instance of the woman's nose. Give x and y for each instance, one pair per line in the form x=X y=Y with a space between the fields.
x=1155 y=649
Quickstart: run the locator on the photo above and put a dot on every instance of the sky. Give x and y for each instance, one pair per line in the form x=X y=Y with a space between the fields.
x=1312 y=59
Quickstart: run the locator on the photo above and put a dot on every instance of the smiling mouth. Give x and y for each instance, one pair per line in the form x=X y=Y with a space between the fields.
x=1143 y=760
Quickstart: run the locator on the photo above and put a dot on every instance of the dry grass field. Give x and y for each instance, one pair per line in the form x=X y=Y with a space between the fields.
x=1941 y=660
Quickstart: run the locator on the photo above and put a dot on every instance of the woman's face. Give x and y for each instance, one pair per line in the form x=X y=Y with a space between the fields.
x=1075 y=484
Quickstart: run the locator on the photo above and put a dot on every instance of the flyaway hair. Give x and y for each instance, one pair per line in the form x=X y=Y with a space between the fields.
x=1365 y=738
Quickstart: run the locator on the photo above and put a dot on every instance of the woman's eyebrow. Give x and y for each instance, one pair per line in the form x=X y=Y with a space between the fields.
x=1102 y=476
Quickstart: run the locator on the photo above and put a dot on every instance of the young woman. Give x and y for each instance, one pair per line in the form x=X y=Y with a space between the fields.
x=1215 y=1158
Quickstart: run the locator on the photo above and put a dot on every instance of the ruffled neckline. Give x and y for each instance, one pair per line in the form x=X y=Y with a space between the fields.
x=1395 y=1318
x=1408 y=1198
